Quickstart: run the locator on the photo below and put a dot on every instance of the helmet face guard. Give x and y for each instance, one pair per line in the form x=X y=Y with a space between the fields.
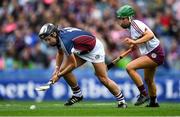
x=46 y=30
x=125 y=12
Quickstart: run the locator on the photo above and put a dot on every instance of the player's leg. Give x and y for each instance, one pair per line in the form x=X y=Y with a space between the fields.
x=72 y=82
x=149 y=79
x=140 y=63
x=77 y=93
x=101 y=73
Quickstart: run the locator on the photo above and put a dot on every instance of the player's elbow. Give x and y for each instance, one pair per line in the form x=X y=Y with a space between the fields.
x=73 y=61
x=150 y=35
x=73 y=65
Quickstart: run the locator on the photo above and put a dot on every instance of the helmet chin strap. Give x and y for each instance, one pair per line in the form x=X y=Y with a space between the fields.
x=130 y=18
x=58 y=45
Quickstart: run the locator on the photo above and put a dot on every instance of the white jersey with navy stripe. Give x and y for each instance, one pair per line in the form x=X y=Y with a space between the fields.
x=137 y=30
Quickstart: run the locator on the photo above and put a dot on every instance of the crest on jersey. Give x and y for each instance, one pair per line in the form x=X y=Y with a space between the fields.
x=153 y=55
x=97 y=56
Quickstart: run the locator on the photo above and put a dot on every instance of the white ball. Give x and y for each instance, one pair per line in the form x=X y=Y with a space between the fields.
x=32 y=107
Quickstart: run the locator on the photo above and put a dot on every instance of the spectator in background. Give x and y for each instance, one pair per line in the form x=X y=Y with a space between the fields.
x=2 y=65
x=26 y=59
x=174 y=55
x=39 y=57
x=10 y=58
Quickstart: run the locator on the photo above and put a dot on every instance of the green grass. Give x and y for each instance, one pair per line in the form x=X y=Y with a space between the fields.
x=17 y=108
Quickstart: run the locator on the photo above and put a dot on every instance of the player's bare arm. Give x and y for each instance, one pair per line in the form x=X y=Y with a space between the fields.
x=59 y=57
x=148 y=35
x=59 y=60
x=68 y=66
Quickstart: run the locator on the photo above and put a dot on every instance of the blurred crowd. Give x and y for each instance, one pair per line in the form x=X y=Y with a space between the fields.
x=20 y=21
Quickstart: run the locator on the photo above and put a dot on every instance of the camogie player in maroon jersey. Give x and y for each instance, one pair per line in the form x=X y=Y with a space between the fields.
x=150 y=49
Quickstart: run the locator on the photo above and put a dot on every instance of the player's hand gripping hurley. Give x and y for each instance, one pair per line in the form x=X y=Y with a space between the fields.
x=109 y=66
x=47 y=85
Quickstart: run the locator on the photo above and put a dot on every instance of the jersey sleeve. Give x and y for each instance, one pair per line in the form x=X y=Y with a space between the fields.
x=84 y=43
x=139 y=26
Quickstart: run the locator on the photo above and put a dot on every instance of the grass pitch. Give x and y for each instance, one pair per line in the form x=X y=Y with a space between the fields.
x=17 y=108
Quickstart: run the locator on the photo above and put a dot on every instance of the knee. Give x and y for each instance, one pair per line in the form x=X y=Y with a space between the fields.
x=129 y=68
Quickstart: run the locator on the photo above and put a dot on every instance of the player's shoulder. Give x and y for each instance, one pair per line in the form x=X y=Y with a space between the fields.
x=75 y=31
x=71 y=29
x=138 y=22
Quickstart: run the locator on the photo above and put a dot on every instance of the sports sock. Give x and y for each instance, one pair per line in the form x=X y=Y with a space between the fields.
x=76 y=91
x=153 y=99
x=120 y=97
x=142 y=90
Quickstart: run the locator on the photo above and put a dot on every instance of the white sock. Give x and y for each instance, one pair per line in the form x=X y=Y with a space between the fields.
x=79 y=94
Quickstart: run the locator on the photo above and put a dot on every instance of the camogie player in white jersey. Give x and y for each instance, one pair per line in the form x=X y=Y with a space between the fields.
x=150 y=49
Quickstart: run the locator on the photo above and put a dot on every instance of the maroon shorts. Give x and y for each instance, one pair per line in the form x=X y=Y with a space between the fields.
x=157 y=55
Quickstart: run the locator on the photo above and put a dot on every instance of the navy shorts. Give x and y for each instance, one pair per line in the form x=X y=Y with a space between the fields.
x=157 y=55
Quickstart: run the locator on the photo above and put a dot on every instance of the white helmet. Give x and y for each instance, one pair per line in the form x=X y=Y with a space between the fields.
x=46 y=30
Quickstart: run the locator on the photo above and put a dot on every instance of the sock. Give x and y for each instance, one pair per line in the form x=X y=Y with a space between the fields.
x=76 y=91
x=153 y=99
x=120 y=97
x=142 y=90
